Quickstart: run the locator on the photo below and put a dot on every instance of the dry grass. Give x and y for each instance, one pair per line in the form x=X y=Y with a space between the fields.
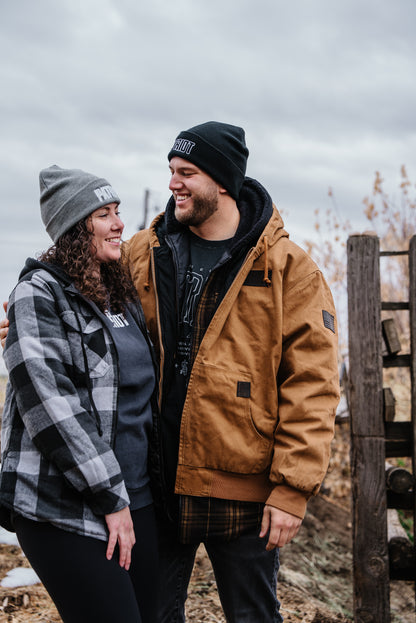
x=315 y=582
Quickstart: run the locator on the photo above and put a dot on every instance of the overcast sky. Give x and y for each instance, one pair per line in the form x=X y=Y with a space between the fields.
x=325 y=90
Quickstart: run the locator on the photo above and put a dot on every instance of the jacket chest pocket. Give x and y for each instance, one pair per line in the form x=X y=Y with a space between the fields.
x=87 y=341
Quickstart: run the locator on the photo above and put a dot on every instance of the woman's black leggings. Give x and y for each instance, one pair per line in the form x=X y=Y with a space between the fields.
x=83 y=584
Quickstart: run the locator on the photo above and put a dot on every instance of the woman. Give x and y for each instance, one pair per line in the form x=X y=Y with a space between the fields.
x=78 y=412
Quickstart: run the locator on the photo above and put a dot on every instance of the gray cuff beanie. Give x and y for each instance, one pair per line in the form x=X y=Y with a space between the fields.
x=70 y=195
x=217 y=148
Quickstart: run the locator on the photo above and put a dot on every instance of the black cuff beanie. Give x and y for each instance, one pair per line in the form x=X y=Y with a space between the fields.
x=217 y=148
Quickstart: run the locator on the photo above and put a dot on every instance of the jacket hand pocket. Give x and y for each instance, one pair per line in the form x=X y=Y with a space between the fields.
x=217 y=429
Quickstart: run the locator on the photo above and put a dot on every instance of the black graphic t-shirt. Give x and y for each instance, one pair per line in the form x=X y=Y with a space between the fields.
x=204 y=255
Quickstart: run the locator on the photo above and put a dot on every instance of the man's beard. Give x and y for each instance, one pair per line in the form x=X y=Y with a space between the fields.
x=203 y=208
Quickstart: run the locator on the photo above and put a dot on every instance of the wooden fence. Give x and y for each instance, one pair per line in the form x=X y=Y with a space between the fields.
x=374 y=436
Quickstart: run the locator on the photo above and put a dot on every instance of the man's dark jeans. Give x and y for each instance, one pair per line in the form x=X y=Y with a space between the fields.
x=245 y=572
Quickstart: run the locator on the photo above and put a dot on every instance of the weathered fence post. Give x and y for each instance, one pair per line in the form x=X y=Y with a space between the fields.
x=370 y=552
x=412 y=322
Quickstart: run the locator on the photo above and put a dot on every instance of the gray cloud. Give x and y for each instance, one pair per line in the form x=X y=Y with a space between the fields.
x=324 y=89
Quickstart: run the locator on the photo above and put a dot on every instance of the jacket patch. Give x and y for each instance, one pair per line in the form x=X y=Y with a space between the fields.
x=329 y=320
x=256 y=278
x=243 y=389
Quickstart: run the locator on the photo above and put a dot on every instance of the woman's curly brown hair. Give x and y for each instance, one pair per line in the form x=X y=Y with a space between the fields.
x=111 y=289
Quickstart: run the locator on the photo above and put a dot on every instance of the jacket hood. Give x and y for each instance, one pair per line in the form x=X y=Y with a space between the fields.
x=256 y=209
x=31 y=264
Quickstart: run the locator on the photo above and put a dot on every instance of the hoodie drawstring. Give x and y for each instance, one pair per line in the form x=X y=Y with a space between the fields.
x=266 y=279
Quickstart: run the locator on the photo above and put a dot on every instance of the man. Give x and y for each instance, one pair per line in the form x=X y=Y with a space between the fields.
x=245 y=328
x=244 y=325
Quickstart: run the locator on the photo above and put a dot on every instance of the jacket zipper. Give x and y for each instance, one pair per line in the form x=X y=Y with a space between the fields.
x=161 y=474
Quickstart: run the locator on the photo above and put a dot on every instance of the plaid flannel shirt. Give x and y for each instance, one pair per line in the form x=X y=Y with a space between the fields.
x=204 y=519
x=58 y=464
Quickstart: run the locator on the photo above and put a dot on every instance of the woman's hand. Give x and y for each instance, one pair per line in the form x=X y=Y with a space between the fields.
x=120 y=527
x=4 y=327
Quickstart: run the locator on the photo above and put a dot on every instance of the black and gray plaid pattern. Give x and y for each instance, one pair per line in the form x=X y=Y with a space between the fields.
x=57 y=460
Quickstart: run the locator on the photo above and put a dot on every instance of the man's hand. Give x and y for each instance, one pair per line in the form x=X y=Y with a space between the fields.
x=281 y=526
x=4 y=327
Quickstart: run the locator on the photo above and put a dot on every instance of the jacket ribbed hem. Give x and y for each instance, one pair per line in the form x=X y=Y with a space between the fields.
x=243 y=487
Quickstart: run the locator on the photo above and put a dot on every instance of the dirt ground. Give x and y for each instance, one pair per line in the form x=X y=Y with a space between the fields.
x=315 y=579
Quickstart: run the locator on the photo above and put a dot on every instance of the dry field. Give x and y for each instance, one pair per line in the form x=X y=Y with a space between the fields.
x=315 y=582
